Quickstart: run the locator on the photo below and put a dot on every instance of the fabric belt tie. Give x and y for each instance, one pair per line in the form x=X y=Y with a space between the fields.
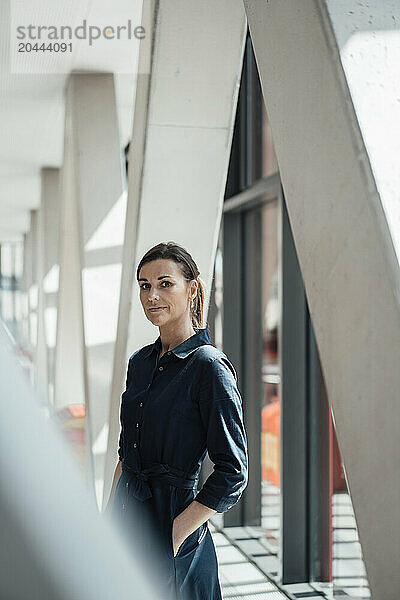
x=140 y=480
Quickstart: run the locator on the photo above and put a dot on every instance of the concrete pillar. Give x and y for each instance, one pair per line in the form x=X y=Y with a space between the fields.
x=18 y=277
x=24 y=291
x=47 y=254
x=33 y=286
x=41 y=346
x=51 y=236
x=329 y=74
x=13 y=289
x=92 y=227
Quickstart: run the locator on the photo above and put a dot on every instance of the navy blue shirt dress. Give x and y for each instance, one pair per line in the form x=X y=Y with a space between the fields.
x=173 y=410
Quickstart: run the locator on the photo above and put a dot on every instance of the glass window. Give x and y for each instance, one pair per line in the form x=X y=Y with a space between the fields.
x=270 y=410
x=348 y=571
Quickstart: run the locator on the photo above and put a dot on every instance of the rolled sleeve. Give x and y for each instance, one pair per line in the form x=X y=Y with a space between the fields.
x=221 y=412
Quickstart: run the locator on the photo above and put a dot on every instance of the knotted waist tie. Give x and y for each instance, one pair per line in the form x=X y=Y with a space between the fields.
x=141 y=489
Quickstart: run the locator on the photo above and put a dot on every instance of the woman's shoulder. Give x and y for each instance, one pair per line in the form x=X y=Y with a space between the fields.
x=214 y=360
x=140 y=352
x=208 y=353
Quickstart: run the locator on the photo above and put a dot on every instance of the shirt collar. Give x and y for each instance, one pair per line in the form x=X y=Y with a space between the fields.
x=200 y=338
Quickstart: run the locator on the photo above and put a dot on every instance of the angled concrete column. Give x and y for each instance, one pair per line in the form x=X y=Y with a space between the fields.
x=27 y=278
x=50 y=205
x=26 y=257
x=13 y=273
x=330 y=82
x=180 y=147
x=41 y=371
x=92 y=221
x=69 y=356
x=33 y=284
x=47 y=280
x=19 y=250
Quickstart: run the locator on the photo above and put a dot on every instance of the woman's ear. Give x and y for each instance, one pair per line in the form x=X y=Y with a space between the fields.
x=195 y=288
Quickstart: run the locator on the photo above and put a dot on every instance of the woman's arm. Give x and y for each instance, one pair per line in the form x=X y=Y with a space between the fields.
x=221 y=412
x=187 y=521
x=117 y=475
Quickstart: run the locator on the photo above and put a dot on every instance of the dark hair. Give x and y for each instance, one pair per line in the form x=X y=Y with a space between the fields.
x=189 y=270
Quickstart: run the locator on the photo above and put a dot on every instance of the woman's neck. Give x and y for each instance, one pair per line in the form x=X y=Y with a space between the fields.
x=172 y=338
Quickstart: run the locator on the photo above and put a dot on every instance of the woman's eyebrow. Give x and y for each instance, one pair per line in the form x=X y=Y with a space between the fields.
x=161 y=277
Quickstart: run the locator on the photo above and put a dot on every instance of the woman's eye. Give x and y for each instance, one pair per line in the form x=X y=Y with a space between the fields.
x=146 y=286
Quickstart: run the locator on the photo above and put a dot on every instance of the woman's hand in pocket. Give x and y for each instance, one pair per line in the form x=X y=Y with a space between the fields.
x=188 y=521
x=178 y=536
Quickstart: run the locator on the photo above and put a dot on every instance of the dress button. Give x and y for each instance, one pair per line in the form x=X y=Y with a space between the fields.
x=137 y=424
x=168 y=353
x=141 y=404
x=160 y=368
x=127 y=484
x=123 y=506
x=134 y=445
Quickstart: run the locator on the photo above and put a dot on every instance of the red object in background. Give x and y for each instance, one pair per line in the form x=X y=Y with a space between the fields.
x=71 y=420
x=270 y=448
x=271 y=442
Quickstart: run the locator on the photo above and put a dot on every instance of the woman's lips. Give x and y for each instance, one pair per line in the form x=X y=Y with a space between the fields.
x=156 y=309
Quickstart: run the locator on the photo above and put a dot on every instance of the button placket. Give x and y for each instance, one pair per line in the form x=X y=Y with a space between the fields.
x=137 y=426
x=140 y=415
x=141 y=403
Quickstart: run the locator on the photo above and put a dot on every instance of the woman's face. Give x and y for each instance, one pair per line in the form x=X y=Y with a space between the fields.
x=164 y=292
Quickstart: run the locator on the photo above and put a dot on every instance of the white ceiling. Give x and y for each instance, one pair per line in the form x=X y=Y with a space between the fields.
x=32 y=103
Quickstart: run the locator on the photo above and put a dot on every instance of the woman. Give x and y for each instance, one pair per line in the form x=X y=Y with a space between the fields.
x=181 y=399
